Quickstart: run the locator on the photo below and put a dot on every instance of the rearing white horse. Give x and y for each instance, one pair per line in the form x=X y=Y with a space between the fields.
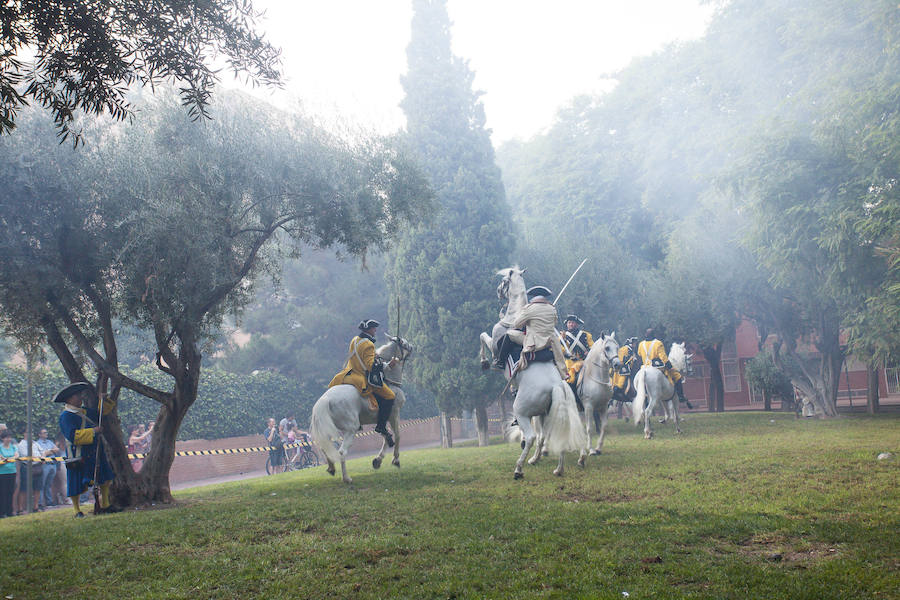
x=652 y=384
x=339 y=412
x=595 y=387
x=512 y=289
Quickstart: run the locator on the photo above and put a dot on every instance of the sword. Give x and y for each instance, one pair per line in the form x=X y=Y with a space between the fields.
x=568 y=282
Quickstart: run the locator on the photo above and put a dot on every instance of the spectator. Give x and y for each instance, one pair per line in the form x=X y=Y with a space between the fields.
x=59 y=480
x=276 y=448
x=33 y=469
x=286 y=425
x=48 y=450
x=138 y=443
x=8 y=451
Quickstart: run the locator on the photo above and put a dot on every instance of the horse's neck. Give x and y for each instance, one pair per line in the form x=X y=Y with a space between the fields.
x=597 y=366
x=516 y=303
x=395 y=373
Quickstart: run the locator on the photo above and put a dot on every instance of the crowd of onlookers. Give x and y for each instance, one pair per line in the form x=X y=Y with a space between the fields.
x=47 y=478
x=286 y=432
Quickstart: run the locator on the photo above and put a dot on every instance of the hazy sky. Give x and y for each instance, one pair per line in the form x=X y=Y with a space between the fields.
x=530 y=56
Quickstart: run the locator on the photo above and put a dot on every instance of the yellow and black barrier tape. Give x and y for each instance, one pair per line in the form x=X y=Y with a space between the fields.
x=219 y=452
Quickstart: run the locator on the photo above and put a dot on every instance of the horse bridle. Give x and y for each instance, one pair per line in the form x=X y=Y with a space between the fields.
x=405 y=351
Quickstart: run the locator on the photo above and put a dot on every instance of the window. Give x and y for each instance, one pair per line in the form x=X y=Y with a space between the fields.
x=732 y=375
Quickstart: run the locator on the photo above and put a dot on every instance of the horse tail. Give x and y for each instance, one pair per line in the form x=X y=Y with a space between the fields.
x=323 y=430
x=637 y=405
x=562 y=426
x=512 y=433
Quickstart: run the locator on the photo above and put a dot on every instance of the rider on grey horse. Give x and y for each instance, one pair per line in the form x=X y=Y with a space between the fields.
x=535 y=330
x=364 y=371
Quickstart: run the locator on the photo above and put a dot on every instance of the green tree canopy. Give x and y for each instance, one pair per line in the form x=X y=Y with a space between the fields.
x=86 y=54
x=166 y=226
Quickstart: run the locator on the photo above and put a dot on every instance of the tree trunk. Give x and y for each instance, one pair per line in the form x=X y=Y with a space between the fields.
x=716 y=393
x=872 y=391
x=446 y=431
x=481 y=424
x=151 y=484
x=767 y=401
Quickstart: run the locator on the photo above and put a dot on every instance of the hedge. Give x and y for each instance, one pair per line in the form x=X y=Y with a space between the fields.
x=227 y=404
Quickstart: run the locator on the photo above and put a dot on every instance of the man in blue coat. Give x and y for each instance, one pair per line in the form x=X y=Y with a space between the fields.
x=81 y=427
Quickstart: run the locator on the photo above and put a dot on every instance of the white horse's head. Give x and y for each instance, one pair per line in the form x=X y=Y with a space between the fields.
x=512 y=283
x=678 y=357
x=605 y=350
x=397 y=347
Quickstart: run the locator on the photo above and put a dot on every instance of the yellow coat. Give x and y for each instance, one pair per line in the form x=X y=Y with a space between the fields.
x=650 y=349
x=626 y=355
x=355 y=372
x=574 y=364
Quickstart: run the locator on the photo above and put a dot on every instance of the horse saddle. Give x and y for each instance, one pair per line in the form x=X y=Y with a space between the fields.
x=543 y=355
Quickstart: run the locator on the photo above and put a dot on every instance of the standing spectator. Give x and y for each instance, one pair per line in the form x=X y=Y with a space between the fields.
x=286 y=425
x=48 y=450
x=7 y=473
x=33 y=469
x=58 y=488
x=138 y=443
x=276 y=446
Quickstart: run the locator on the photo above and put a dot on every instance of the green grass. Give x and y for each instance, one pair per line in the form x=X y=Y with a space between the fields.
x=741 y=506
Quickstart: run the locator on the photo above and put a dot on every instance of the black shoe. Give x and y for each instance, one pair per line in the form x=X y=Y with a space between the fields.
x=387 y=435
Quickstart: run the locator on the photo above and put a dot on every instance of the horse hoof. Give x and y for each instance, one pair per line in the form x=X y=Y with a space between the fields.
x=518 y=475
x=532 y=461
x=348 y=481
x=485 y=365
x=595 y=452
x=376 y=463
x=581 y=462
x=662 y=421
x=557 y=472
x=396 y=463
x=523 y=444
x=544 y=453
x=330 y=471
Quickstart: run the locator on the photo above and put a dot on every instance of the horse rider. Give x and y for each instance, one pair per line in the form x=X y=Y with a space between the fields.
x=535 y=329
x=653 y=353
x=364 y=370
x=576 y=342
x=623 y=388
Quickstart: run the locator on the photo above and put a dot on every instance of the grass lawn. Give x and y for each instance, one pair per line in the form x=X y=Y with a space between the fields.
x=742 y=505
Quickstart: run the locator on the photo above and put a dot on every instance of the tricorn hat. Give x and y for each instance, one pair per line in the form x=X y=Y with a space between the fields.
x=574 y=318
x=368 y=324
x=539 y=290
x=72 y=389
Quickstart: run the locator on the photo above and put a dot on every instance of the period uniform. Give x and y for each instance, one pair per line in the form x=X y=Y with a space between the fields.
x=576 y=343
x=363 y=371
x=653 y=354
x=77 y=424
x=623 y=391
x=538 y=320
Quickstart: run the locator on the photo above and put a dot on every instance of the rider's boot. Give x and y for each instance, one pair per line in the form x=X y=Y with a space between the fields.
x=679 y=389
x=384 y=412
x=578 y=402
x=504 y=346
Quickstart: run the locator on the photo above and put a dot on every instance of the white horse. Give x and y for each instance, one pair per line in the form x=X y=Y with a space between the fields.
x=512 y=289
x=339 y=412
x=652 y=384
x=543 y=395
x=595 y=387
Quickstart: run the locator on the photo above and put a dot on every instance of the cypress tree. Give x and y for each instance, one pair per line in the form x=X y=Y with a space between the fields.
x=444 y=271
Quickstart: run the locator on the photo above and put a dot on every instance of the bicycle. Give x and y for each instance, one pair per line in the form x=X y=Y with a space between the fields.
x=300 y=457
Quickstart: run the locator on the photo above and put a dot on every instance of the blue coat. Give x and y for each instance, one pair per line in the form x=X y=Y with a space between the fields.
x=80 y=475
